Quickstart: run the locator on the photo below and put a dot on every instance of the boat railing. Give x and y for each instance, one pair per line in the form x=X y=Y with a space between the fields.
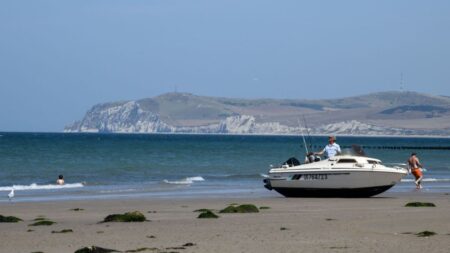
x=398 y=166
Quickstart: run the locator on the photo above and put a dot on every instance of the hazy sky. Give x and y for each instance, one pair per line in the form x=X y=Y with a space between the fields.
x=58 y=58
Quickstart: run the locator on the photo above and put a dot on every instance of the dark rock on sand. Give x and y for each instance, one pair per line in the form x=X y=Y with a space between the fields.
x=420 y=204
x=426 y=233
x=62 y=231
x=246 y=208
x=9 y=219
x=207 y=215
x=135 y=216
x=95 y=249
x=143 y=249
x=43 y=223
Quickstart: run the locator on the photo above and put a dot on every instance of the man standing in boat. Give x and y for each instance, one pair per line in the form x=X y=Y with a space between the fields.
x=332 y=148
x=415 y=168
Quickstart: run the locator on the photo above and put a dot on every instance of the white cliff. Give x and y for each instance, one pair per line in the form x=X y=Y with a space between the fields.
x=122 y=118
x=130 y=117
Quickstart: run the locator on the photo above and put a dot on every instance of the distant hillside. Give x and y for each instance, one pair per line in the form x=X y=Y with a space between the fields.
x=384 y=113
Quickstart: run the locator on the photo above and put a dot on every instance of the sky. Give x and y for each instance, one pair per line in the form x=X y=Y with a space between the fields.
x=59 y=58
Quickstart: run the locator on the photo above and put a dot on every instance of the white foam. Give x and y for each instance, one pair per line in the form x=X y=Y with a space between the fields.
x=195 y=178
x=40 y=187
x=264 y=175
x=186 y=181
x=428 y=180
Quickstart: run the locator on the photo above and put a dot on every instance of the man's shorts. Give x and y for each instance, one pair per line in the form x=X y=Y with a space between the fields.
x=417 y=173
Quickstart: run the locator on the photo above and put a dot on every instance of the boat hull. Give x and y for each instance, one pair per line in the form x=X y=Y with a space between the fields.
x=344 y=184
x=364 y=192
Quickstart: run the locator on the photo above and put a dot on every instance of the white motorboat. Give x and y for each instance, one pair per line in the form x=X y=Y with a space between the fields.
x=350 y=174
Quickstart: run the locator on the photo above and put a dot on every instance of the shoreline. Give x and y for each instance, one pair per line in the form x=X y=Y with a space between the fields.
x=191 y=192
x=378 y=224
x=236 y=134
x=242 y=194
x=262 y=195
x=251 y=189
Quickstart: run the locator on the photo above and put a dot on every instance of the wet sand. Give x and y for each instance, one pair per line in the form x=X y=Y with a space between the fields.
x=379 y=224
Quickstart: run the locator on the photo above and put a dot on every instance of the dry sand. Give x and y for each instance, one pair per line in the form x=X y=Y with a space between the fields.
x=379 y=224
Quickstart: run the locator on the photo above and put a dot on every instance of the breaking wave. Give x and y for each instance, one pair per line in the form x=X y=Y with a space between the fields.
x=239 y=176
x=40 y=187
x=185 y=181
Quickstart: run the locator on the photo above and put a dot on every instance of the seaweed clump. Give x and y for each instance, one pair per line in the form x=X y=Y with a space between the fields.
x=246 y=208
x=207 y=214
x=135 y=216
x=426 y=233
x=420 y=204
x=62 y=231
x=95 y=249
x=9 y=219
x=43 y=223
x=141 y=249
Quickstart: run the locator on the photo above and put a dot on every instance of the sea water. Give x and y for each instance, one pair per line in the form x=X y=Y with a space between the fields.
x=165 y=165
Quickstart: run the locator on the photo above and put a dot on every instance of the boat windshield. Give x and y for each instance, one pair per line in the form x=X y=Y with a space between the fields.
x=355 y=150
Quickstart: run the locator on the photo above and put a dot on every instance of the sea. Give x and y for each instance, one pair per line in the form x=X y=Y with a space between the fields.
x=105 y=166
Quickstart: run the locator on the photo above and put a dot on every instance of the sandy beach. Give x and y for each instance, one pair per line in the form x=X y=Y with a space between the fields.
x=378 y=224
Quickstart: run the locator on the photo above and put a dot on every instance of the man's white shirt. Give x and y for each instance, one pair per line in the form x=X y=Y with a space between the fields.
x=332 y=149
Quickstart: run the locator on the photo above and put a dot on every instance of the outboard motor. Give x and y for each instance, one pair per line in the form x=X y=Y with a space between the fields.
x=292 y=162
x=310 y=157
x=267 y=184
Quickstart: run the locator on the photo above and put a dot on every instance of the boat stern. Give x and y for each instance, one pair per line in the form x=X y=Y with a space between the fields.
x=267 y=184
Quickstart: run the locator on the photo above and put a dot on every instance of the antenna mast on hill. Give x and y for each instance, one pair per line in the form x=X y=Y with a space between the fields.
x=401 y=81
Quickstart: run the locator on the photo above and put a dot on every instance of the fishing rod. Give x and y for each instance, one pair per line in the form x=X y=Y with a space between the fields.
x=307 y=131
x=303 y=136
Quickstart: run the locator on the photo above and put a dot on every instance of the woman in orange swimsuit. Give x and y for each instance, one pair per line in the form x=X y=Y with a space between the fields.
x=415 y=168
